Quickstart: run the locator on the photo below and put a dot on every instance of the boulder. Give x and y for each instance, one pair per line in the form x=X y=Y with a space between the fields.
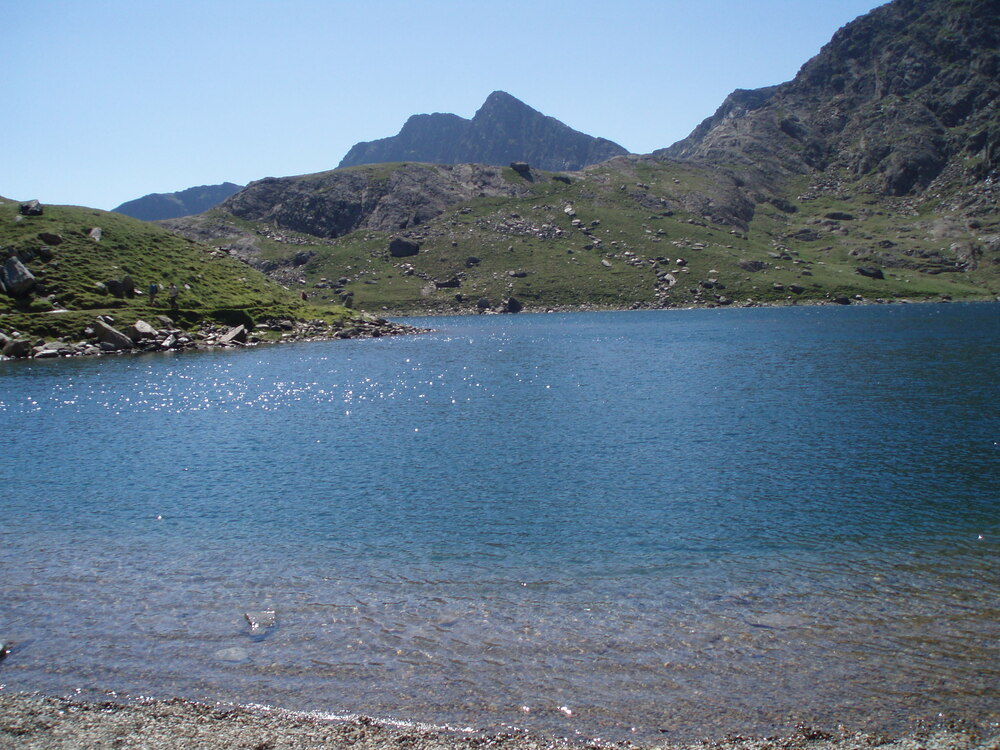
x=115 y=288
x=522 y=168
x=128 y=287
x=400 y=248
x=237 y=335
x=453 y=283
x=796 y=289
x=31 y=208
x=871 y=272
x=483 y=303
x=140 y=331
x=95 y=234
x=471 y=261
x=50 y=239
x=512 y=305
x=111 y=338
x=17 y=279
x=17 y=348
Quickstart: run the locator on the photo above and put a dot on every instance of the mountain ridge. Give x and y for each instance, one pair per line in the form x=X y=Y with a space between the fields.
x=504 y=129
x=193 y=200
x=871 y=176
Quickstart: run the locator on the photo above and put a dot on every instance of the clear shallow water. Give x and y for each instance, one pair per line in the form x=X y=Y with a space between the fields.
x=687 y=522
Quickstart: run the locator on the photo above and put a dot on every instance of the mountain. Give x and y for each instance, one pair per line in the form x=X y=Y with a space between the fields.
x=898 y=99
x=195 y=200
x=872 y=176
x=504 y=130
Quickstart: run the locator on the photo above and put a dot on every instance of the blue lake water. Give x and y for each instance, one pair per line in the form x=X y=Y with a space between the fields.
x=680 y=523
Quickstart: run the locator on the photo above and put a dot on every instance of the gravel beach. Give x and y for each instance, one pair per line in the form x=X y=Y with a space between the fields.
x=29 y=722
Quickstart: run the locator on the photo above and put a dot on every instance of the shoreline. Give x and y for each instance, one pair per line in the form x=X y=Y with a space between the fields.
x=142 y=338
x=368 y=325
x=543 y=310
x=29 y=720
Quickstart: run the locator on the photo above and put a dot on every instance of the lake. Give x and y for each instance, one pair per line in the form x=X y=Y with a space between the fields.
x=636 y=524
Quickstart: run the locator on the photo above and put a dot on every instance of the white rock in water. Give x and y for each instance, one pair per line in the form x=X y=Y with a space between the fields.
x=234 y=654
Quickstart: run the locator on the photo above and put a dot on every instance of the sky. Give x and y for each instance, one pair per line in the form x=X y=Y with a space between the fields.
x=104 y=101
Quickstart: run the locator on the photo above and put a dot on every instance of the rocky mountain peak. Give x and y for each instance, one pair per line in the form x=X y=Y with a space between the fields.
x=504 y=129
x=893 y=99
x=500 y=102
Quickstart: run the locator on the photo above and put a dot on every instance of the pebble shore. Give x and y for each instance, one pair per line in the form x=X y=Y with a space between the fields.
x=30 y=722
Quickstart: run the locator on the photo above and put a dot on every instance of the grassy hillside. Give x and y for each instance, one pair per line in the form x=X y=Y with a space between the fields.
x=641 y=231
x=76 y=274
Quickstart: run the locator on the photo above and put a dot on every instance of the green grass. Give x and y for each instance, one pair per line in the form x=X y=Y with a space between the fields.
x=213 y=286
x=641 y=215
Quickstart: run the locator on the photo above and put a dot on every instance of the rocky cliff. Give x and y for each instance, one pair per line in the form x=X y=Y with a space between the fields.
x=195 y=200
x=893 y=100
x=383 y=197
x=504 y=129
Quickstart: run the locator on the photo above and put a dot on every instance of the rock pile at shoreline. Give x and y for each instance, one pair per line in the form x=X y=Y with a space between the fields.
x=102 y=337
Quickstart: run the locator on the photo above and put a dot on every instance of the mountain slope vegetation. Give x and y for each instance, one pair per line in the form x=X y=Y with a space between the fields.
x=64 y=265
x=871 y=176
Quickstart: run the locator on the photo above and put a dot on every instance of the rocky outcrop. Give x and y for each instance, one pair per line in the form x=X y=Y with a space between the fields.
x=331 y=204
x=504 y=130
x=194 y=200
x=894 y=98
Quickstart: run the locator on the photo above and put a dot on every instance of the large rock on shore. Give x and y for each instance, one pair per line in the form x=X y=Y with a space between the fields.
x=140 y=331
x=17 y=348
x=111 y=337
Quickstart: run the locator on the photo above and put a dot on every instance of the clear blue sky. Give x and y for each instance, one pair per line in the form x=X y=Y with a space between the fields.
x=108 y=100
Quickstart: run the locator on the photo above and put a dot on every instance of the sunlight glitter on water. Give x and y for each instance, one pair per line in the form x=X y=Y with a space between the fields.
x=651 y=521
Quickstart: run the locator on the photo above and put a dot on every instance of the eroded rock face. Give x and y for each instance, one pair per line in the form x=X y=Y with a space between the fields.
x=331 y=204
x=896 y=95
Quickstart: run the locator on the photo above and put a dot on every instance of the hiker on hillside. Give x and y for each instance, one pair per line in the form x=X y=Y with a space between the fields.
x=153 y=289
x=172 y=295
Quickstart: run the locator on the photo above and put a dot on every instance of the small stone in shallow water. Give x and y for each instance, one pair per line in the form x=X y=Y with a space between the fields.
x=234 y=654
x=261 y=620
